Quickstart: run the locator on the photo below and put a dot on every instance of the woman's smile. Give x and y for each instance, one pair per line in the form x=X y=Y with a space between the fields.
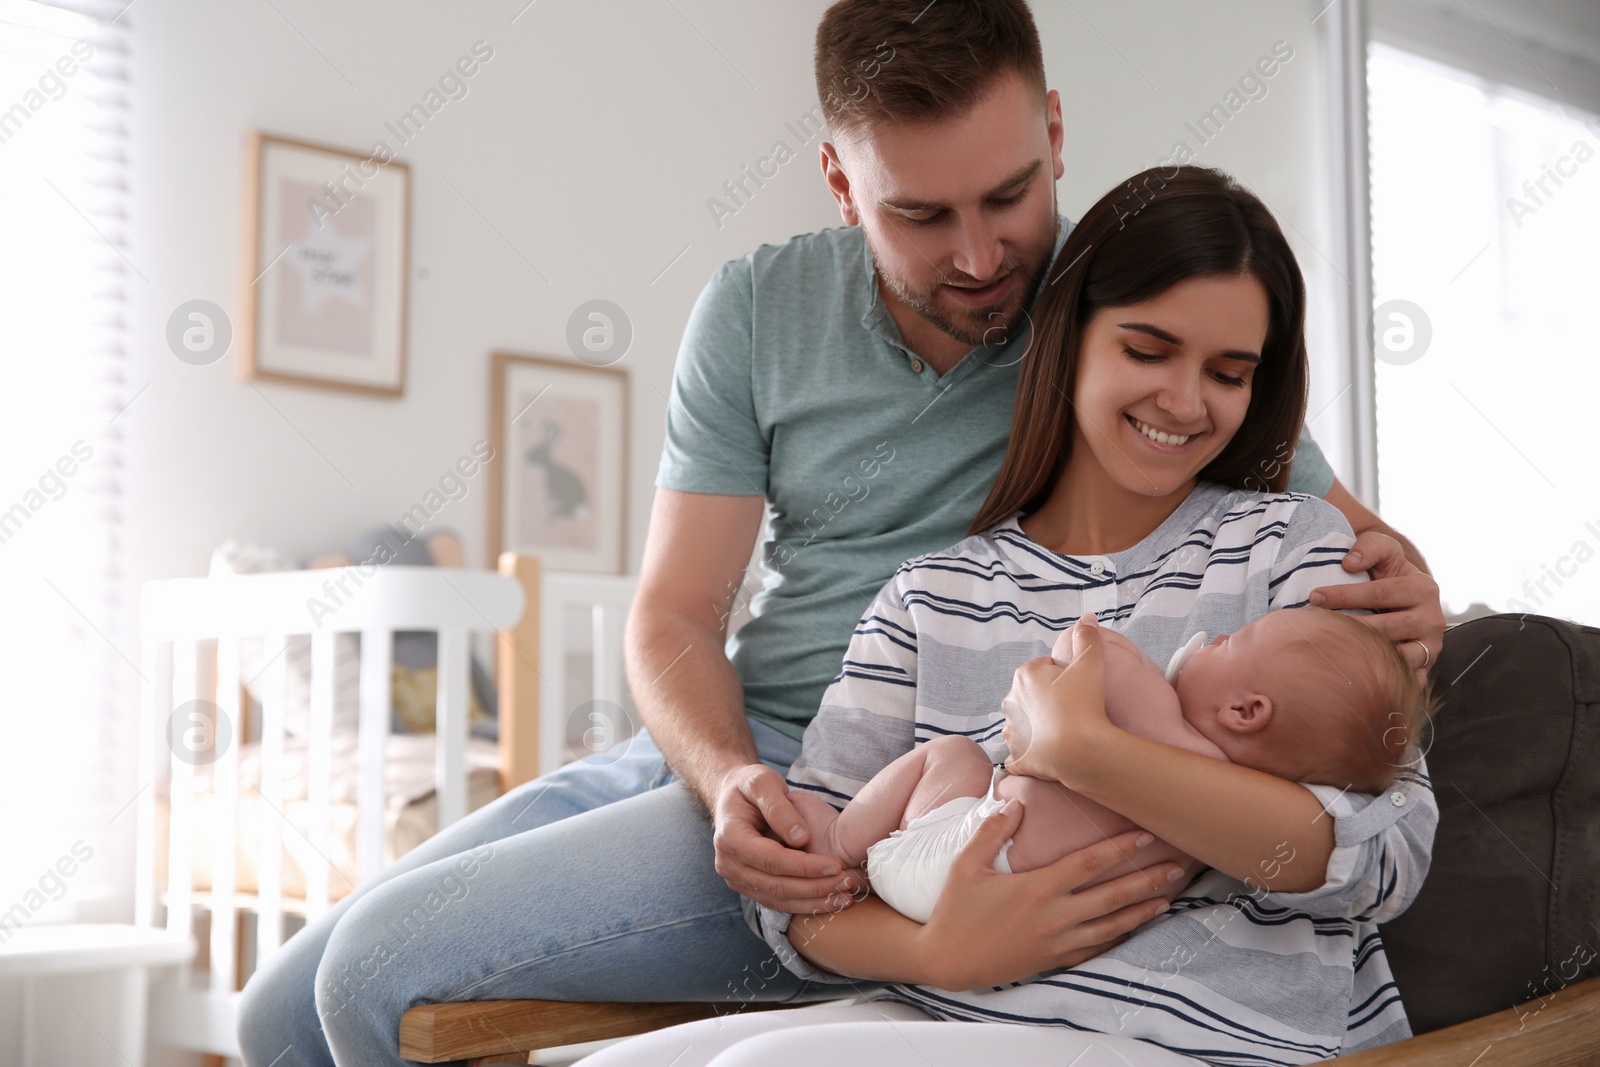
x=1158 y=439
x=1176 y=371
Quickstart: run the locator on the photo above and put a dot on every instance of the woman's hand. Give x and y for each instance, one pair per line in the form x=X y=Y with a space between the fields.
x=990 y=928
x=1055 y=710
x=1405 y=598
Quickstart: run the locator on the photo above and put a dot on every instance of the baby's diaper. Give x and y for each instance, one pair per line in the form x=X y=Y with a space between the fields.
x=908 y=868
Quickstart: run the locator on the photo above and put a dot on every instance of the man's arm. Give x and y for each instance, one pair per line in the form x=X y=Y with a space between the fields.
x=1363 y=518
x=692 y=702
x=1402 y=591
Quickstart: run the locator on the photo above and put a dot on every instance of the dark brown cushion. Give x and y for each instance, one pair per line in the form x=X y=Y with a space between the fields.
x=1509 y=912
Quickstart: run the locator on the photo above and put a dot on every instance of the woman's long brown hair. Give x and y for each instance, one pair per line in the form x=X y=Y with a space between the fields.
x=1150 y=233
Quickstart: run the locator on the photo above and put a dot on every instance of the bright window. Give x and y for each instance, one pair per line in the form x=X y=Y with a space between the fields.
x=63 y=83
x=1485 y=212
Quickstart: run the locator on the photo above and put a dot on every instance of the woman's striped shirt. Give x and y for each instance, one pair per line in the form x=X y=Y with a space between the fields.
x=1231 y=974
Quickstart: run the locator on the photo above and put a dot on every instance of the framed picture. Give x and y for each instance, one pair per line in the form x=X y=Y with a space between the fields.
x=326 y=259
x=559 y=479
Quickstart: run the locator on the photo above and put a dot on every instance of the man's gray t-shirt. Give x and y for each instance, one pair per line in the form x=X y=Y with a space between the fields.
x=793 y=383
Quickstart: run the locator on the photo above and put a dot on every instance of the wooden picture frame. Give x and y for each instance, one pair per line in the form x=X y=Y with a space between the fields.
x=558 y=479
x=327 y=237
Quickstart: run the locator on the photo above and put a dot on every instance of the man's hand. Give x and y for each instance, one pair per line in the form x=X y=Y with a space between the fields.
x=1406 y=599
x=1052 y=710
x=1042 y=919
x=751 y=806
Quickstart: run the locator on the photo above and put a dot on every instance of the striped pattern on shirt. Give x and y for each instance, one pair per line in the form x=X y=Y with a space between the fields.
x=1231 y=975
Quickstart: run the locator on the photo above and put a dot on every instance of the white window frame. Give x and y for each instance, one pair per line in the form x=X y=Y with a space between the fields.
x=1474 y=45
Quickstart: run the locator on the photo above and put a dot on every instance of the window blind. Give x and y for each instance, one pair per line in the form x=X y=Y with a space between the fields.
x=65 y=282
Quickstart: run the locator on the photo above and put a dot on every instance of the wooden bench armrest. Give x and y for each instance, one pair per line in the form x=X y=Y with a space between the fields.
x=1558 y=1030
x=1561 y=1030
x=438 y=1033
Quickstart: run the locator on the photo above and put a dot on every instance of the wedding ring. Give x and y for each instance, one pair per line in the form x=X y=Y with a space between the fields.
x=1427 y=656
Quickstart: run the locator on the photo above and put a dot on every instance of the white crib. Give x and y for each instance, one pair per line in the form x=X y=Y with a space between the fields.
x=192 y=630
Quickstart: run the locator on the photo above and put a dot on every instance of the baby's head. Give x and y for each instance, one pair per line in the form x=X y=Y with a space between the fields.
x=1311 y=695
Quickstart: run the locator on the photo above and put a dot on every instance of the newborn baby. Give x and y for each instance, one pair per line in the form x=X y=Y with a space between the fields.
x=1306 y=694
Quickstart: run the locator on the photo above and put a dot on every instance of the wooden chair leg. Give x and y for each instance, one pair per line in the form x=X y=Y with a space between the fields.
x=239 y=943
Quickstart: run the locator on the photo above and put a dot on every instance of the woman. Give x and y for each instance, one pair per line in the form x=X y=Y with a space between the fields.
x=1167 y=373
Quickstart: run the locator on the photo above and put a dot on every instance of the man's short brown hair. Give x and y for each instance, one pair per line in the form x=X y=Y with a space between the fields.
x=909 y=61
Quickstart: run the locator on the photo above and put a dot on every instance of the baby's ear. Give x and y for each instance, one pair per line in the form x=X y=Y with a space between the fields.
x=1248 y=715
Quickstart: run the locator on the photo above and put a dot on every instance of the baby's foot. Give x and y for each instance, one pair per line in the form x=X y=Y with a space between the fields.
x=820 y=818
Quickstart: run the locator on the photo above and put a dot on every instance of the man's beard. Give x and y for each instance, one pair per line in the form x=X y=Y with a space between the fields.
x=987 y=325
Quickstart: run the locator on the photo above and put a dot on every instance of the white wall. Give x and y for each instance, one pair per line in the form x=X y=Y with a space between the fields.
x=1135 y=81
x=591 y=141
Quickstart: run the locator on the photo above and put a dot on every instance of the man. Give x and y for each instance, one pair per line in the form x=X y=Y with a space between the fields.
x=894 y=341
x=860 y=381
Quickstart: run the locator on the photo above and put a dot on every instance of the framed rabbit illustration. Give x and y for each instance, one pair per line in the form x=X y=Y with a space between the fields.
x=559 y=472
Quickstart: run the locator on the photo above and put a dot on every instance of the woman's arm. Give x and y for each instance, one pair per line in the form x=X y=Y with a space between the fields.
x=843 y=748
x=1045 y=923
x=1384 y=843
x=1262 y=830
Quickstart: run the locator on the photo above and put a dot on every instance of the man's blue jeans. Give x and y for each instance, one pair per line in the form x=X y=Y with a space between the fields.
x=595 y=882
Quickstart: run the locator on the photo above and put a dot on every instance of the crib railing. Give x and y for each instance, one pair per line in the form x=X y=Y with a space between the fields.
x=532 y=661
x=605 y=600
x=192 y=713
x=192 y=631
